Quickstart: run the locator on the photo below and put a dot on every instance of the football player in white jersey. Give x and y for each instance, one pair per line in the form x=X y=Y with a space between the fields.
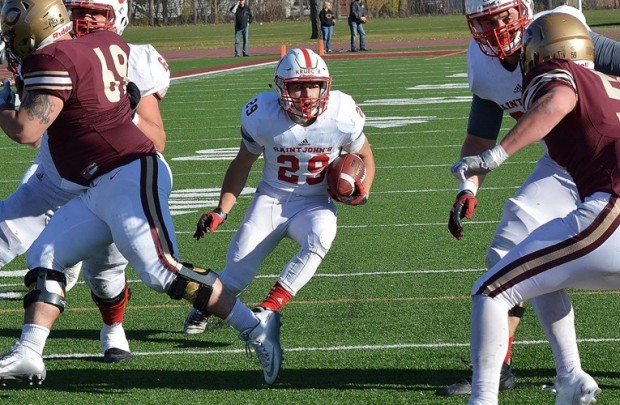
x=495 y=77
x=77 y=90
x=24 y=213
x=298 y=129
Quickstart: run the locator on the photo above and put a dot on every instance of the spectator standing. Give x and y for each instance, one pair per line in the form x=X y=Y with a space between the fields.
x=357 y=17
x=326 y=15
x=243 y=19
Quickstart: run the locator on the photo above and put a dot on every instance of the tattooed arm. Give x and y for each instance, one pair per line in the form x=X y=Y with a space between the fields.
x=36 y=113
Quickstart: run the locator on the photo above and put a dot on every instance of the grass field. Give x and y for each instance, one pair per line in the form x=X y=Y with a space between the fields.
x=386 y=318
x=297 y=33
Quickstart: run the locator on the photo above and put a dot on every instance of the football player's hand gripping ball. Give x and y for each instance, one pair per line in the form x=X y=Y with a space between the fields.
x=463 y=207
x=359 y=196
x=209 y=222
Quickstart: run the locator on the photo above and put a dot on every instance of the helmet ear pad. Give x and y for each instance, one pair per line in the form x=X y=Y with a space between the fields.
x=302 y=65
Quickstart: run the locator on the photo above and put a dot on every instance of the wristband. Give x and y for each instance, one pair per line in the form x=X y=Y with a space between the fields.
x=468 y=185
x=221 y=213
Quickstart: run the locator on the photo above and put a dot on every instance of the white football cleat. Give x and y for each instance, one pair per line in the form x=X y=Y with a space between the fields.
x=577 y=388
x=21 y=364
x=265 y=338
x=196 y=322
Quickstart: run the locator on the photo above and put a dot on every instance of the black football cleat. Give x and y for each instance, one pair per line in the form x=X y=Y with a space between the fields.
x=115 y=355
x=506 y=382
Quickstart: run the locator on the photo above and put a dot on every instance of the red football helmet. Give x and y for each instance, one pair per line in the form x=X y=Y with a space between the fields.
x=504 y=37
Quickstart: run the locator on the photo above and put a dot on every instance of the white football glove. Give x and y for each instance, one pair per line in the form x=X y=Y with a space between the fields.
x=7 y=96
x=483 y=163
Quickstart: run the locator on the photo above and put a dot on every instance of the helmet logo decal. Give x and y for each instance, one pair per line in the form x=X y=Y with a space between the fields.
x=62 y=32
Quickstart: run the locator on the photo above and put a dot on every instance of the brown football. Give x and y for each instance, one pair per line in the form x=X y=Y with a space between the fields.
x=343 y=172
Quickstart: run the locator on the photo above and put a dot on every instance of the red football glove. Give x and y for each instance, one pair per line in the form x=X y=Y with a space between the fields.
x=359 y=196
x=209 y=221
x=463 y=207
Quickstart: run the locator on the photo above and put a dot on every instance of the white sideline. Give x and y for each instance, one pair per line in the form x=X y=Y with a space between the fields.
x=180 y=79
x=318 y=349
x=21 y=273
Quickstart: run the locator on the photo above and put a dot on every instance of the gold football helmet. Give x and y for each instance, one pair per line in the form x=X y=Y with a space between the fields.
x=30 y=24
x=556 y=36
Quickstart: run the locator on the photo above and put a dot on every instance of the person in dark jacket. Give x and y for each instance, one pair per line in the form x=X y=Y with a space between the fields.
x=243 y=19
x=357 y=17
x=328 y=19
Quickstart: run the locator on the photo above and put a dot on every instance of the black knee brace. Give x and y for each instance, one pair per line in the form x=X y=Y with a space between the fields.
x=194 y=284
x=36 y=281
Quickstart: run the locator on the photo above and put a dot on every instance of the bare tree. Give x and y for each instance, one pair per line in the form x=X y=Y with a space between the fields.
x=403 y=8
x=151 y=12
x=314 y=19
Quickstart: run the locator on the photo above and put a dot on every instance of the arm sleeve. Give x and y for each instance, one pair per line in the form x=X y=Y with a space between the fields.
x=485 y=118
x=606 y=54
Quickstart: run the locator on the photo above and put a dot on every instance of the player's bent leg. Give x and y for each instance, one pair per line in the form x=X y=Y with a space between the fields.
x=314 y=229
x=198 y=285
x=24 y=361
x=296 y=274
x=104 y=274
x=113 y=340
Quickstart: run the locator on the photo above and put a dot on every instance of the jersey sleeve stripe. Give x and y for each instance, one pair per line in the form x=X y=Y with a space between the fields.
x=57 y=73
x=540 y=81
x=42 y=87
x=49 y=82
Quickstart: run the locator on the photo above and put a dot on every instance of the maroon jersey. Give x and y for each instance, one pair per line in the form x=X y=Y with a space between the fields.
x=587 y=141
x=93 y=133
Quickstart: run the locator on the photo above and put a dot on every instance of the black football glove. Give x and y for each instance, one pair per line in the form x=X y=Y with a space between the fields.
x=209 y=221
x=463 y=207
x=134 y=96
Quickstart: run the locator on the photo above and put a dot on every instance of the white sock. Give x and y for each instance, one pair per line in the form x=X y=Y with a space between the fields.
x=241 y=318
x=489 y=344
x=113 y=336
x=556 y=316
x=34 y=337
